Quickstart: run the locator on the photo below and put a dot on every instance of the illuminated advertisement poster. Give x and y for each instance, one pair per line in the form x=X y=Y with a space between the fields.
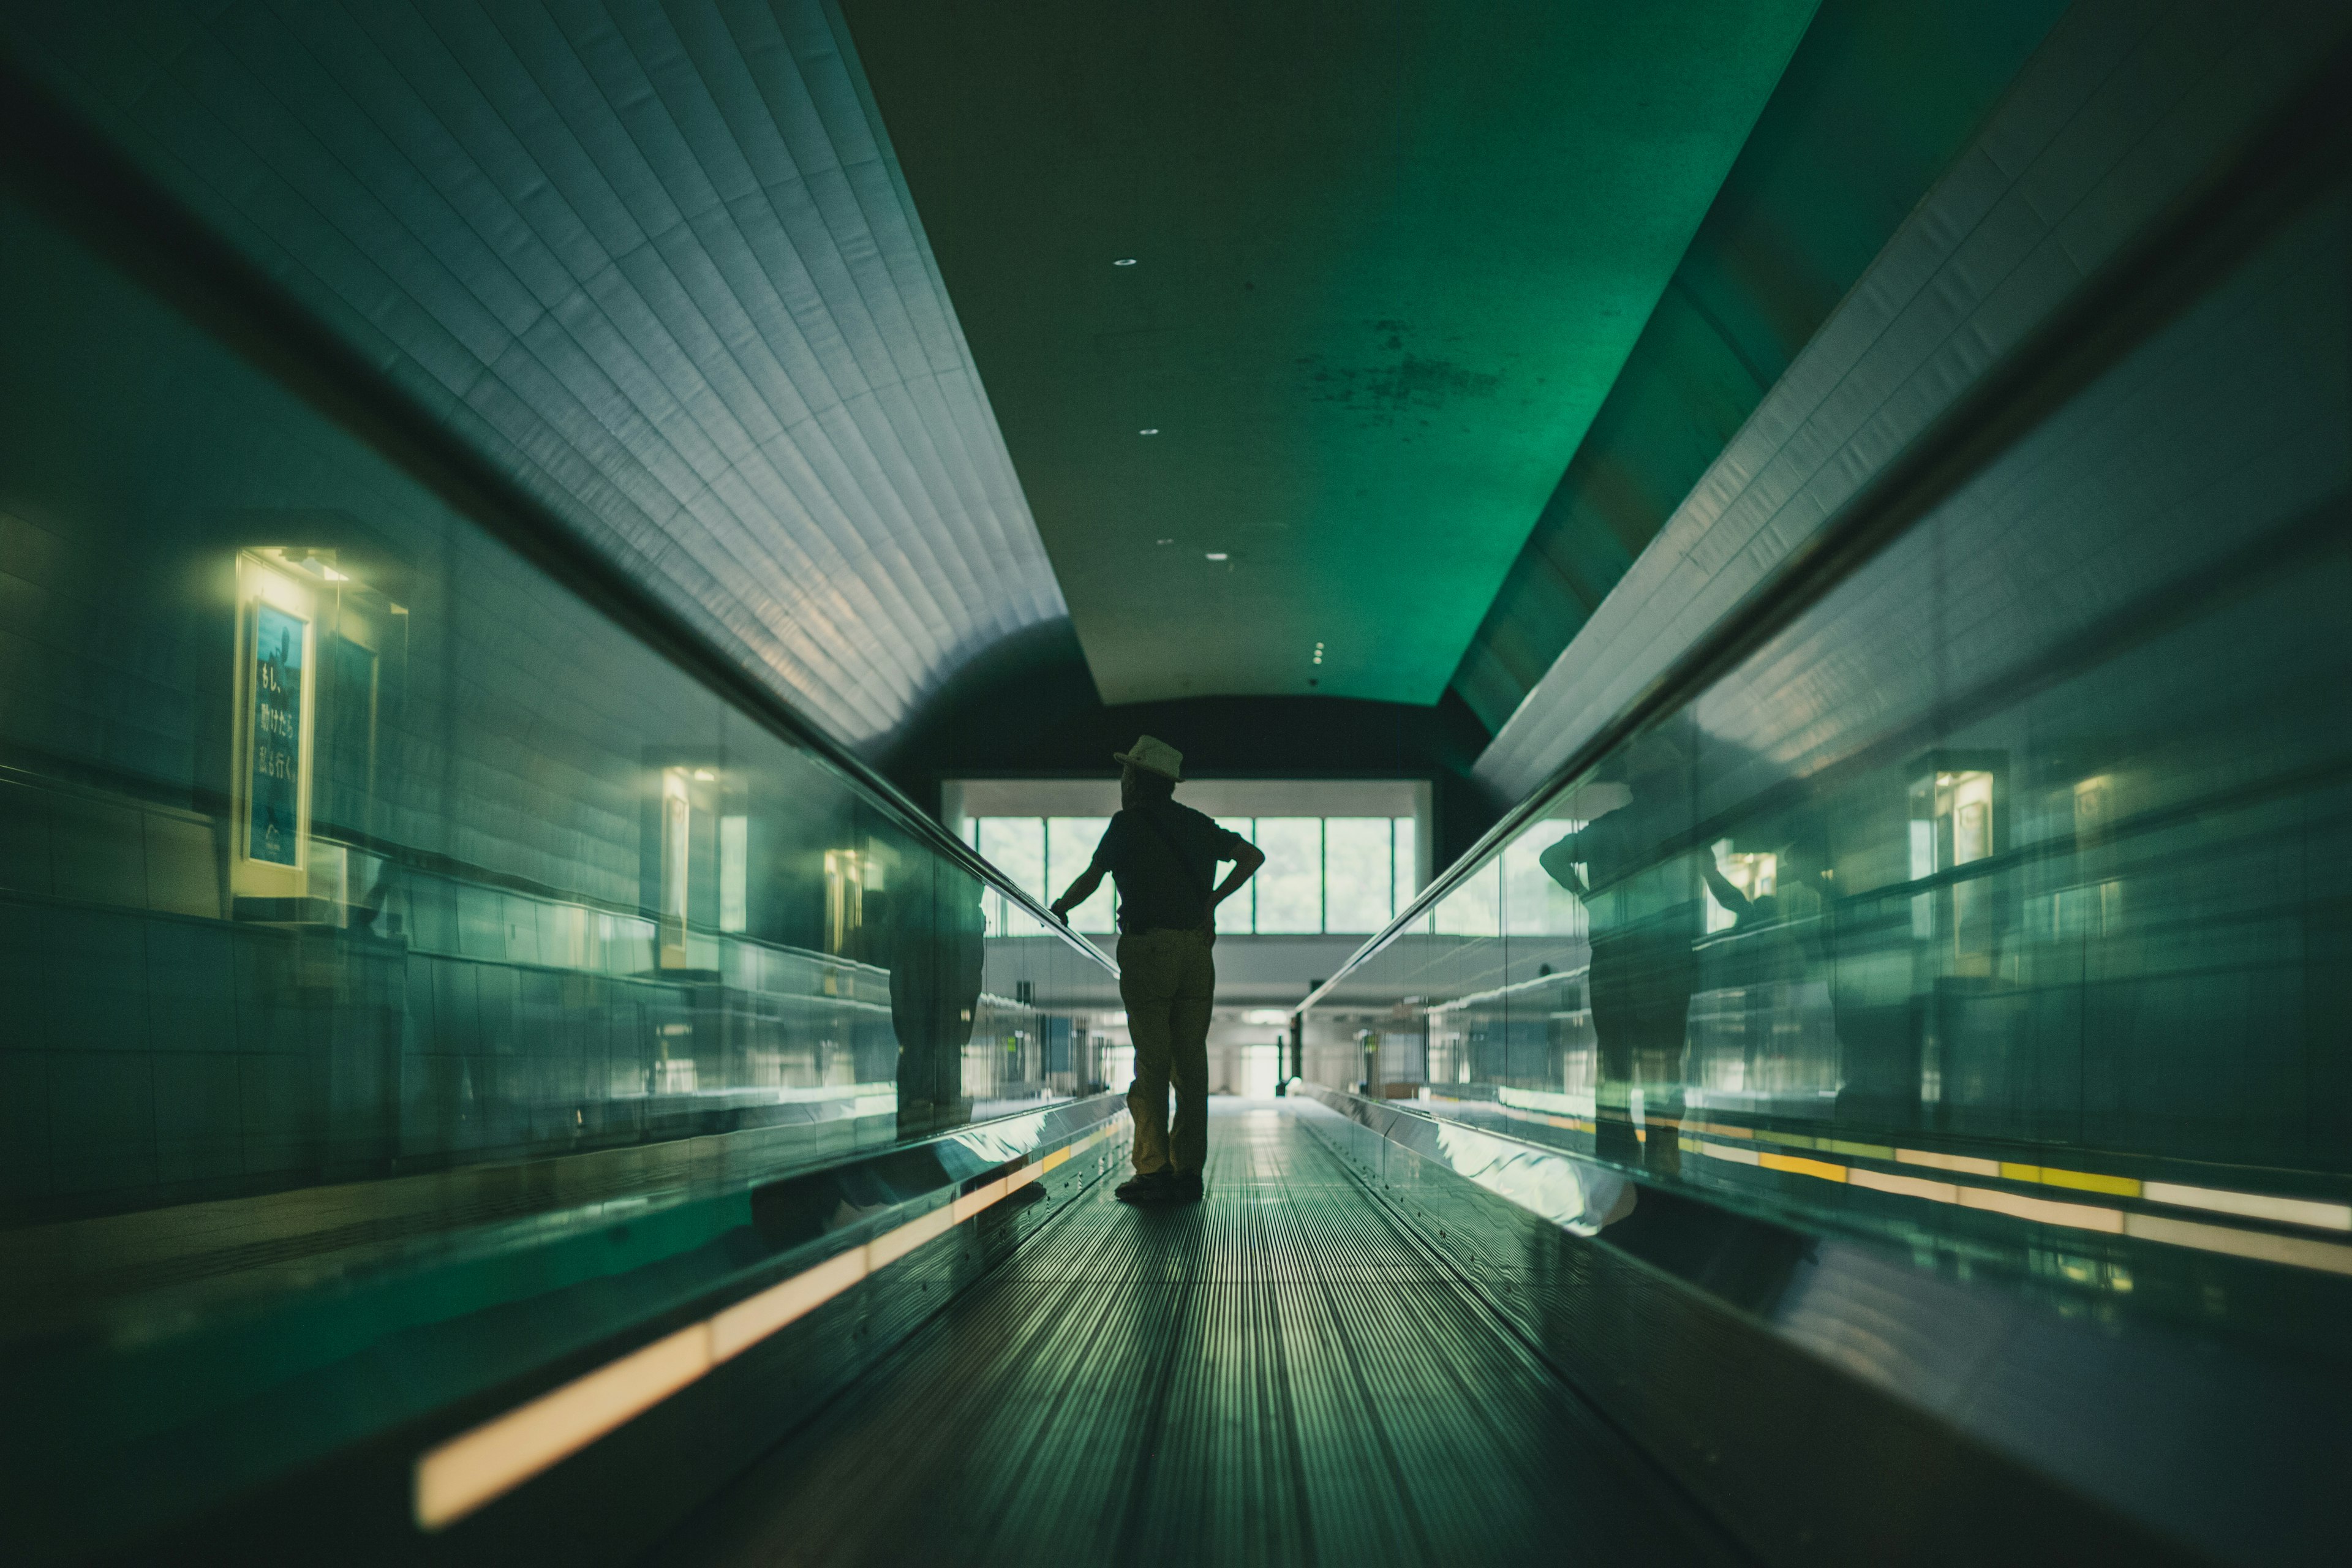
x=276 y=698
x=274 y=787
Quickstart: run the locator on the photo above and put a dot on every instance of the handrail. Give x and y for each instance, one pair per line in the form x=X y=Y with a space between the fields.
x=51 y=154
x=2214 y=225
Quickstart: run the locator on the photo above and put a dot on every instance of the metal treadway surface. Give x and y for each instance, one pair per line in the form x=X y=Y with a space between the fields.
x=1280 y=1374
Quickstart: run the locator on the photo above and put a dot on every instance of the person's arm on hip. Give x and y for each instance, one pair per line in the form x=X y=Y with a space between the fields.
x=1246 y=857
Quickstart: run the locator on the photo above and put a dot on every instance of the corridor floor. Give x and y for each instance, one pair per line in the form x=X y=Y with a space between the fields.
x=1280 y=1374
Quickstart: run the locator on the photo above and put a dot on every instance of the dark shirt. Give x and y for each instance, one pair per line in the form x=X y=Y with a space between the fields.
x=1629 y=888
x=1157 y=890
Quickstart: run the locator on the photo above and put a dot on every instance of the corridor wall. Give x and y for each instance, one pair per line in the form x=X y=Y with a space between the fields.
x=339 y=839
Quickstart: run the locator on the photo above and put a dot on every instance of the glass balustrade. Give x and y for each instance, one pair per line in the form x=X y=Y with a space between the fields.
x=1990 y=903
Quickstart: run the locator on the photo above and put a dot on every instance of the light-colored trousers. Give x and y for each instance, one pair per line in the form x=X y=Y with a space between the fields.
x=1167 y=979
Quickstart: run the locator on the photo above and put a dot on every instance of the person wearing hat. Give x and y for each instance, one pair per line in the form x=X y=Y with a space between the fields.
x=1164 y=858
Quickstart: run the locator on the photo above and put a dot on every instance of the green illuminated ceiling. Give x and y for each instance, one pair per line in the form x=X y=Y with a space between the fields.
x=1389 y=261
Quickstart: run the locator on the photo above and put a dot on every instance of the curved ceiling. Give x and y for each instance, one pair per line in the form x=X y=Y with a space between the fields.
x=654 y=260
x=1394 y=264
x=1387 y=259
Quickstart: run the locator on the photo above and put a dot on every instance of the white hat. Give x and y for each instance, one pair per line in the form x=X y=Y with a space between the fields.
x=1155 y=754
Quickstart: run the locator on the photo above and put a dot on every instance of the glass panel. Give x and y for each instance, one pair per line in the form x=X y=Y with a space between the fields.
x=734 y=873
x=344 y=851
x=1473 y=909
x=1357 y=858
x=1290 y=885
x=1015 y=846
x=1070 y=844
x=1237 y=915
x=1973 y=909
x=1407 y=875
x=1535 y=904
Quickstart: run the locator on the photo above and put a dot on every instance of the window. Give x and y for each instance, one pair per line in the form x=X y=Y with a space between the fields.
x=1952 y=824
x=1290 y=884
x=1339 y=875
x=1237 y=915
x=1016 y=846
x=734 y=873
x=1533 y=903
x=1069 y=849
x=1359 y=863
x=1041 y=856
x=1476 y=907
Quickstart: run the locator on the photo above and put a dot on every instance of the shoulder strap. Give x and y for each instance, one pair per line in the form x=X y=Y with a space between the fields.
x=1184 y=866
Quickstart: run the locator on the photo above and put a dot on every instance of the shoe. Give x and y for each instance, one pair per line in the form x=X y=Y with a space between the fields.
x=1155 y=1187
x=1186 y=1188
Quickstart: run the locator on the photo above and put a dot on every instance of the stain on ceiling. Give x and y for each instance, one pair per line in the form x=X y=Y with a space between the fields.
x=1293 y=316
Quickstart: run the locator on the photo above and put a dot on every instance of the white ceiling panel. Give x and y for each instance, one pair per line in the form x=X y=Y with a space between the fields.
x=654 y=261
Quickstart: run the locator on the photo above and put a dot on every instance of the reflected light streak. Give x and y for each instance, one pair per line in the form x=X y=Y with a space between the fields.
x=477 y=1468
x=1964 y=1165
x=2253 y=1205
x=2314 y=1214
x=2262 y=1245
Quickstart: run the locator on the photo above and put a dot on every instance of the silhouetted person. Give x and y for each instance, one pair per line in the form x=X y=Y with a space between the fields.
x=1644 y=916
x=938 y=950
x=1164 y=858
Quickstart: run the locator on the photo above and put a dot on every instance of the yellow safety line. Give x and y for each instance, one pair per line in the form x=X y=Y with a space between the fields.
x=2314 y=1214
x=2301 y=1252
x=2297 y=1251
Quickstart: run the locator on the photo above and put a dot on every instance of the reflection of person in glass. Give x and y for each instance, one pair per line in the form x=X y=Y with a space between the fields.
x=1762 y=975
x=1645 y=915
x=937 y=952
x=1784 y=915
x=1165 y=858
x=1747 y=910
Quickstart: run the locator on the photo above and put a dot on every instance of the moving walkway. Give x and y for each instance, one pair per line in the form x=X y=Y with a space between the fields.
x=486 y=1081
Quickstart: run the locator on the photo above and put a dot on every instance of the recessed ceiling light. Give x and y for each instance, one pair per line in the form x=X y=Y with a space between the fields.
x=1124 y=261
x=1219 y=555
x=1167 y=541
x=1149 y=430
